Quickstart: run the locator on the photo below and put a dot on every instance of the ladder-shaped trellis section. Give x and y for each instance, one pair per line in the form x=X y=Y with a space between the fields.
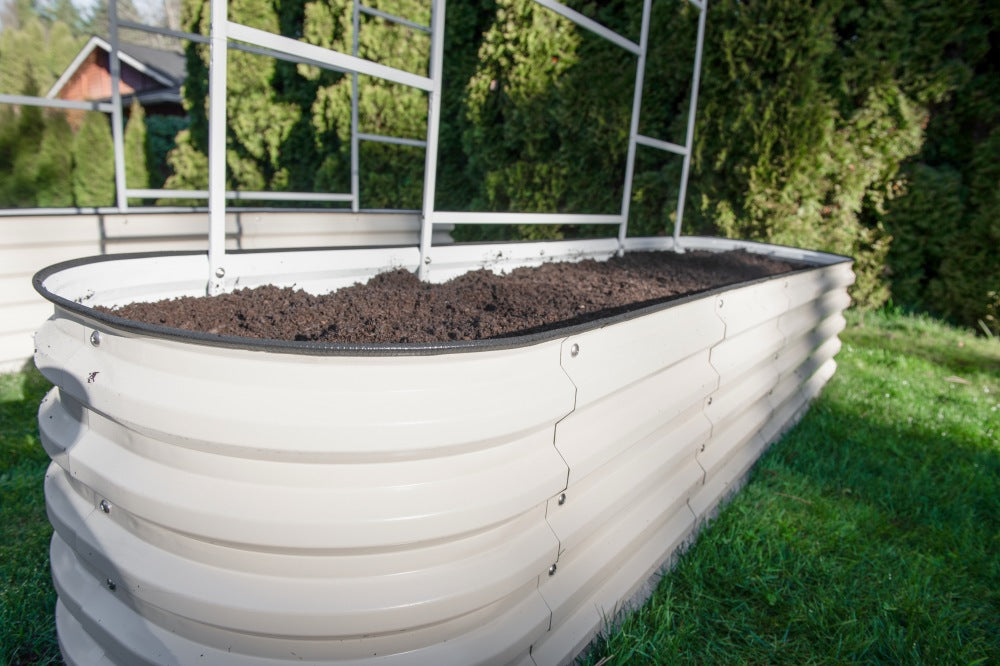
x=431 y=216
x=224 y=30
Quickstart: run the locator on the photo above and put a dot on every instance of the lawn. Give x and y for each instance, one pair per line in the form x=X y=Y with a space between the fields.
x=869 y=533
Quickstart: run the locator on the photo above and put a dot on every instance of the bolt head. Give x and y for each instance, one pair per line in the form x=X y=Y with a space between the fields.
x=220 y=272
x=105 y=506
x=574 y=351
x=95 y=338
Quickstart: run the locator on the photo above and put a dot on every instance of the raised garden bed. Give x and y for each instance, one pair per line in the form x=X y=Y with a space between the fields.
x=219 y=498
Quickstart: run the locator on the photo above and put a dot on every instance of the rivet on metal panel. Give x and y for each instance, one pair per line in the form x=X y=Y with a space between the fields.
x=574 y=350
x=105 y=506
x=111 y=585
x=562 y=499
x=95 y=338
x=552 y=570
x=220 y=272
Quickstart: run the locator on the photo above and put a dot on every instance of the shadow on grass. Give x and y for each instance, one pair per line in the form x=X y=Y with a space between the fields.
x=855 y=541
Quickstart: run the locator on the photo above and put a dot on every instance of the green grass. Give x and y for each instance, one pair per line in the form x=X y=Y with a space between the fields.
x=27 y=600
x=870 y=533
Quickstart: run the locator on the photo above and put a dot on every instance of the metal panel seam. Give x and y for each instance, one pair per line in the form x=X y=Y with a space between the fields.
x=705 y=403
x=555 y=426
x=784 y=343
x=555 y=430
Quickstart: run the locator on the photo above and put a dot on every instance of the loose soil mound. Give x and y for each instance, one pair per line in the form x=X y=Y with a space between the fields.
x=395 y=307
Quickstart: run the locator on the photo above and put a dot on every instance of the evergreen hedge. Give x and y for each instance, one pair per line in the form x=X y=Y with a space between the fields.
x=868 y=129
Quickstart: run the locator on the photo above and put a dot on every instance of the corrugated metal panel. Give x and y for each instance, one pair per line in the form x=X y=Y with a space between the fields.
x=608 y=596
x=26 y=260
x=753 y=409
x=497 y=634
x=49 y=230
x=400 y=509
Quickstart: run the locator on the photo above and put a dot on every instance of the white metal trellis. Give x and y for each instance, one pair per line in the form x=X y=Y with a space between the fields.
x=223 y=30
x=432 y=216
x=226 y=35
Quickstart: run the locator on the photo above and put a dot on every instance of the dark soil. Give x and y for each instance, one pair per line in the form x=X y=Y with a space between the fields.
x=395 y=307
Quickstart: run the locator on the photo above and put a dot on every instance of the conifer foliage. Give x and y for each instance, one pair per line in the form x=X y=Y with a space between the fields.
x=93 y=162
x=867 y=129
x=136 y=158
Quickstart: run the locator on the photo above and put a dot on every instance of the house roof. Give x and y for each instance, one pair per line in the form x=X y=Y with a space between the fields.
x=167 y=67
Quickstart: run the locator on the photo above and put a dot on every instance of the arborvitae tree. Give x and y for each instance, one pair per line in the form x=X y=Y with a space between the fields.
x=136 y=170
x=967 y=287
x=36 y=44
x=17 y=185
x=37 y=49
x=54 y=179
x=272 y=143
x=93 y=162
x=513 y=99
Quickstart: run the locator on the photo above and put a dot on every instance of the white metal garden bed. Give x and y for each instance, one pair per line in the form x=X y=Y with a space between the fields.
x=476 y=502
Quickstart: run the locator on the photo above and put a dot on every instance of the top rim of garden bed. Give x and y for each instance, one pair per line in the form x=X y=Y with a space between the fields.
x=313 y=348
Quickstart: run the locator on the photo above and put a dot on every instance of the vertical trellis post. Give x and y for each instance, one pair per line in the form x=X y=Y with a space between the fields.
x=117 y=121
x=355 y=147
x=702 y=6
x=433 y=126
x=640 y=73
x=217 y=148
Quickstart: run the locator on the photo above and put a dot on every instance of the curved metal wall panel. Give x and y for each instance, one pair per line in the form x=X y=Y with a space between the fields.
x=228 y=506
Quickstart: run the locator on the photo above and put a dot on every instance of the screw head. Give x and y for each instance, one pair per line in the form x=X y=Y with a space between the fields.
x=427 y=260
x=111 y=585
x=574 y=350
x=710 y=400
x=562 y=499
x=95 y=338
x=552 y=570
x=105 y=506
x=220 y=272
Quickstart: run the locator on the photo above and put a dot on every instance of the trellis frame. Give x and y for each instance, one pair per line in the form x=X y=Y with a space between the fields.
x=223 y=30
x=226 y=34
